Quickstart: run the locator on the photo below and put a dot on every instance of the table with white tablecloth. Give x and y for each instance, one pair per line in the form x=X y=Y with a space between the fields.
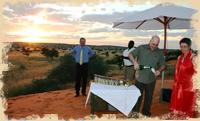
x=123 y=98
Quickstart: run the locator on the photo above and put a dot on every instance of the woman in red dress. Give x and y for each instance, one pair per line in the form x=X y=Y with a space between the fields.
x=183 y=97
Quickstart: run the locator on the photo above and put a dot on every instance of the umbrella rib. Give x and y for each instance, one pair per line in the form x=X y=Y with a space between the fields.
x=170 y=20
x=159 y=20
x=165 y=22
x=118 y=24
x=141 y=24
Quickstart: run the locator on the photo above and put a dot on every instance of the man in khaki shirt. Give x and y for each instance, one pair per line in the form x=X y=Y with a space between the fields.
x=151 y=56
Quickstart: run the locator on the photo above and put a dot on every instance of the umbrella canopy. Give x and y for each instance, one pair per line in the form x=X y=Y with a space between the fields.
x=163 y=16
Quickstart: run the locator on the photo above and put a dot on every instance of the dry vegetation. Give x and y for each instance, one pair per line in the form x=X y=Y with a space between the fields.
x=23 y=69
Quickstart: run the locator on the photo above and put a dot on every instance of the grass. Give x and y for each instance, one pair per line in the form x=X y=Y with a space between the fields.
x=23 y=69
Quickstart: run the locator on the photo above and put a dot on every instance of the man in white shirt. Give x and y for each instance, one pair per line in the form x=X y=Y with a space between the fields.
x=128 y=65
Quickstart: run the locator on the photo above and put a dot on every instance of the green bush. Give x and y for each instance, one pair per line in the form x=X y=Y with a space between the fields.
x=117 y=60
x=22 y=67
x=50 y=53
x=37 y=86
x=16 y=91
x=65 y=72
x=97 y=65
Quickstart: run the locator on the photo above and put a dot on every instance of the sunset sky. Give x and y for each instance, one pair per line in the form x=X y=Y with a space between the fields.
x=63 y=22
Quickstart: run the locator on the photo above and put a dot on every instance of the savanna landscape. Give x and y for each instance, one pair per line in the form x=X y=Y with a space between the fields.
x=40 y=80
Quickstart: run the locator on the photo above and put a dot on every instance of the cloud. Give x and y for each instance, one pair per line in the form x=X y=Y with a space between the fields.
x=75 y=19
x=21 y=8
x=103 y=29
x=106 y=18
x=65 y=13
x=28 y=13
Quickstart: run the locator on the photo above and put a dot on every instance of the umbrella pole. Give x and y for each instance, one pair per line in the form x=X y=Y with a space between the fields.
x=162 y=83
x=165 y=52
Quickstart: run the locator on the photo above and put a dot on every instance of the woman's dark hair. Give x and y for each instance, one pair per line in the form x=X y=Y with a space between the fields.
x=131 y=44
x=186 y=41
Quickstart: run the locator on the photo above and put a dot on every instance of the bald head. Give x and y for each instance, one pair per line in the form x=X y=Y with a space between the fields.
x=154 y=42
x=155 y=38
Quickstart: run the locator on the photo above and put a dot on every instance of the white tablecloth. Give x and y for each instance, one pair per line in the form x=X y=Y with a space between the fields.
x=122 y=98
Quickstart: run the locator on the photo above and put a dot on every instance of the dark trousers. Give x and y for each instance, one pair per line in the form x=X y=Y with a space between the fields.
x=81 y=75
x=149 y=89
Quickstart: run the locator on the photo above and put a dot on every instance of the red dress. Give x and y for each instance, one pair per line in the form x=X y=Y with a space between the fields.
x=183 y=95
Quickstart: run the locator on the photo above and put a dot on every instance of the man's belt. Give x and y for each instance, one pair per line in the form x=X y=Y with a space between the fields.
x=141 y=67
x=127 y=58
x=128 y=65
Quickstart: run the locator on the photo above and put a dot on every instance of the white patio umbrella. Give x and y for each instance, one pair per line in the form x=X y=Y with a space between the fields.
x=161 y=17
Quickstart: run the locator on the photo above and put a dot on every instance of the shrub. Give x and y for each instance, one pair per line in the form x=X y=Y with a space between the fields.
x=65 y=72
x=97 y=65
x=50 y=53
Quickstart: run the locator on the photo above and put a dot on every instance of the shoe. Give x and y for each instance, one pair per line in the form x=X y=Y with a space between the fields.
x=146 y=114
x=84 y=94
x=76 y=95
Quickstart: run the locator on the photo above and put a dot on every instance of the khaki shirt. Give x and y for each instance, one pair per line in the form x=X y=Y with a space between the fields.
x=147 y=57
